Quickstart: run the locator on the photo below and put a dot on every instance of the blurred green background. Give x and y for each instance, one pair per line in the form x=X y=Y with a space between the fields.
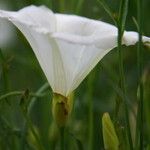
x=97 y=90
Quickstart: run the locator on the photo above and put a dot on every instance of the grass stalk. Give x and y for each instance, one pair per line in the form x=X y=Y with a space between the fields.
x=121 y=25
x=139 y=132
x=39 y=92
x=17 y=93
x=122 y=86
x=90 y=111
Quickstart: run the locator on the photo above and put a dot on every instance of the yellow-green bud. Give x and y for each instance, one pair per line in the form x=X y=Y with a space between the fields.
x=61 y=108
x=110 y=138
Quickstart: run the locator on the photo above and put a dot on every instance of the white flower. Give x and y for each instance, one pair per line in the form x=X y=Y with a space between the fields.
x=66 y=46
x=6 y=31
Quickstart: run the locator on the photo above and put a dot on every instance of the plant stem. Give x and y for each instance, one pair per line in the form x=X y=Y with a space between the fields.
x=90 y=111
x=62 y=139
x=122 y=86
x=140 y=69
x=29 y=107
x=44 y=87
x=16 y=93
x=121 y=25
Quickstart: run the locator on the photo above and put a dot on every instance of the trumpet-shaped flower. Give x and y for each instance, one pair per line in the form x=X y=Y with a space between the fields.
x=66 y=46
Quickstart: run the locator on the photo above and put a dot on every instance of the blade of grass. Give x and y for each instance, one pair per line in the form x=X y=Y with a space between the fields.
x=90 y=111
x=123 y=10
x=112 y=77
x=23 y=106
x=43 y=88
x=107 y=9
x=140 y=70
x=17 y=93
x=136 y=23
x=38 y=94
x=121 y=26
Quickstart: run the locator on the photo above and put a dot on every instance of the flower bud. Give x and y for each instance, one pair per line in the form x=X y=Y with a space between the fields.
x=61 y=109
x=110 y=138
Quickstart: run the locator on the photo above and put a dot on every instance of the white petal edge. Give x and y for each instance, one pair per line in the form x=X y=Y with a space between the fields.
x=40 y=18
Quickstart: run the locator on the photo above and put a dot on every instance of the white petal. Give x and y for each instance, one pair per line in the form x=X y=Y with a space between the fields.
x=39 y=18
x=47 y=53
x=44 y=47
x=131 y=38
x=82 y=26
x=78 y=60
x=7 y=33
x=82 y=30
x=82 y=43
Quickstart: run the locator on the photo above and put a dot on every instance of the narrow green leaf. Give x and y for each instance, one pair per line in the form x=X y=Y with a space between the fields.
x=123 y=15
x=107 y=9
x=140 y=118
x=136 y=23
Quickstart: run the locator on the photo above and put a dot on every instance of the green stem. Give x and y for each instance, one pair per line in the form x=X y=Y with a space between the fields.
x=107 y=9
x=122 y=86
x=30 y=105
x=44 y=87
x=90 y=113
x=16 y=93
x=62 y=139
x=140 y=69
x=121 y=25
